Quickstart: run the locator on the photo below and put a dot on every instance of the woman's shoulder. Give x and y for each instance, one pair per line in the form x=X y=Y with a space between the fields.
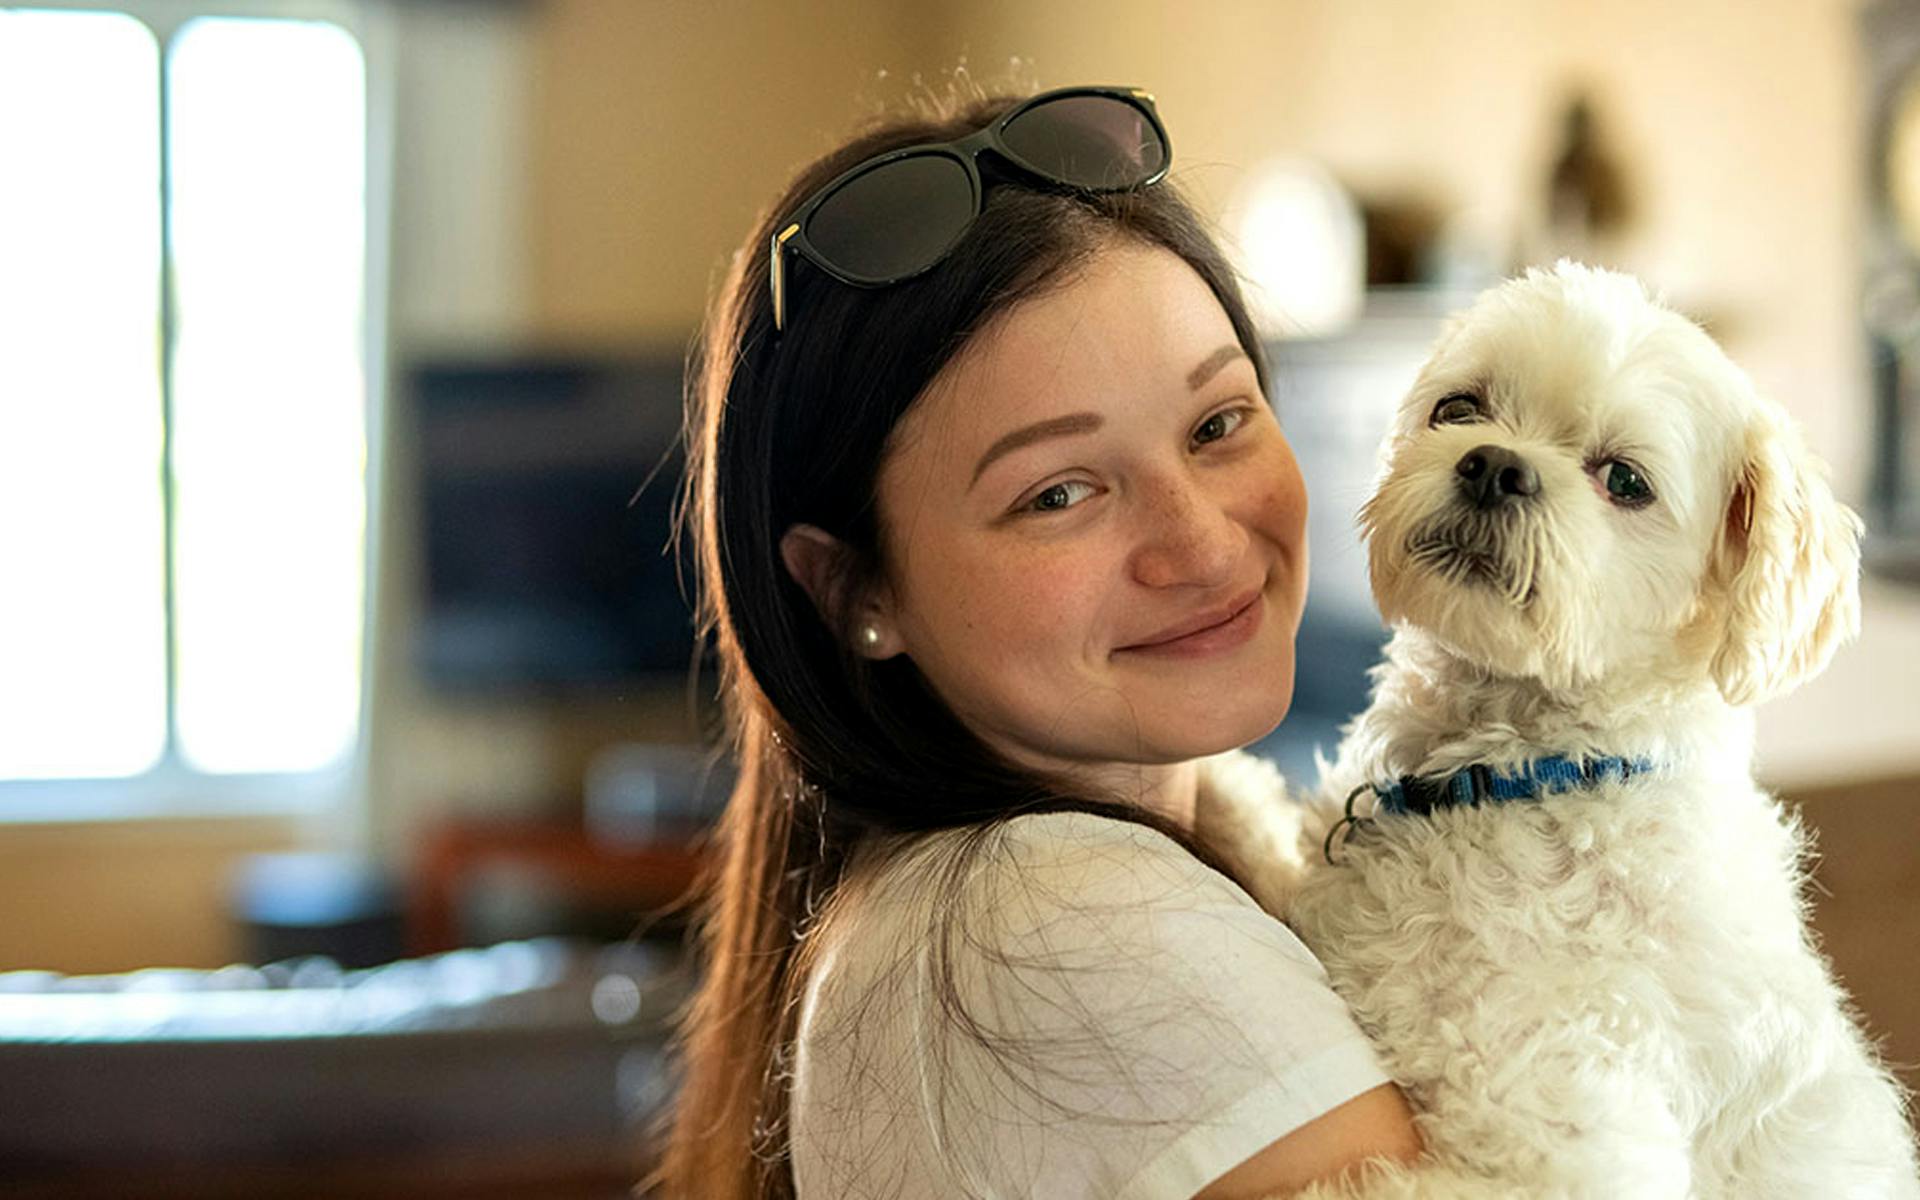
x=1242 y=814
x=1092 y=964
x=1092 y=861
x=1102 y=898
x=1039 y=864
x=1085 y=859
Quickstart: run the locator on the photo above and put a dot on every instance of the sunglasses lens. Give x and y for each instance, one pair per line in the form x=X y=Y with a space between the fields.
x=894 y=220
x=1101 y=143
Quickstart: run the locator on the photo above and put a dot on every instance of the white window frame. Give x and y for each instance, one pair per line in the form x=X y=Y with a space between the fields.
x=170 y=788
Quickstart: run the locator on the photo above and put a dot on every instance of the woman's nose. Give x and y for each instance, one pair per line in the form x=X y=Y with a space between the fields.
x=1187 y=537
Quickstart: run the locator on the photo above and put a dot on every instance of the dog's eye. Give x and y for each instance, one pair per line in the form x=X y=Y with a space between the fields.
x=1455 y=409
x=1626 y=486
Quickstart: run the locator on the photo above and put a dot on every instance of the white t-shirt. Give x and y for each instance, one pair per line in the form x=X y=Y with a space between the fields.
x=1158 y=1027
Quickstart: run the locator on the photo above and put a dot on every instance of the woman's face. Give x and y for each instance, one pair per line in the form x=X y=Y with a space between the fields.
x=1094 y=530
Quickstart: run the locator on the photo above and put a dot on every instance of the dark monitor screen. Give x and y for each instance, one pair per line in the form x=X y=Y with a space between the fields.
x=547 y=489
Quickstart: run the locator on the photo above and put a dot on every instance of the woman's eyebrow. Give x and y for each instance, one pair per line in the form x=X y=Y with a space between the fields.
x=1039 y=431
x=1211 y=364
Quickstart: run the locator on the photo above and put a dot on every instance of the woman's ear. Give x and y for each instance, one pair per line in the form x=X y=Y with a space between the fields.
x=823 y=566
x=1789 y=559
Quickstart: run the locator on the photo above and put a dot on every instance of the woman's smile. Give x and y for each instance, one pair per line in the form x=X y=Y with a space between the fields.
x=1213 y=631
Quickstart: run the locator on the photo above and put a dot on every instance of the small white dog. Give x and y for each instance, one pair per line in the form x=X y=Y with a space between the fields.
x=1540 y=871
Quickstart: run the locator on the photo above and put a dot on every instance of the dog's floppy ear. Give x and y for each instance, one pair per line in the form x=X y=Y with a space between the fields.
x=1789 y=558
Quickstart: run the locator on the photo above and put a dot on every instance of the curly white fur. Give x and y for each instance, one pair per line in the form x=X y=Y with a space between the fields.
x=1609 y=992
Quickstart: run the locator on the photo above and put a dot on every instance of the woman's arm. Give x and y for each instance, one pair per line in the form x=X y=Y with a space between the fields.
x=1366 y=1149
x=1373 y=1125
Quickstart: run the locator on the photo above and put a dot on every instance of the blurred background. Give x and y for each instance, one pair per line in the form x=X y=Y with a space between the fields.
x=351 y=753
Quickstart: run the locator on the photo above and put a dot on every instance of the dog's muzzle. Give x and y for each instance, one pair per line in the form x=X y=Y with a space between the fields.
x=1493 y=545
x=1469 y=547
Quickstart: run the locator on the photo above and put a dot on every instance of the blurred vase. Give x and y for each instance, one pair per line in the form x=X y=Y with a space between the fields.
x=1301 y=248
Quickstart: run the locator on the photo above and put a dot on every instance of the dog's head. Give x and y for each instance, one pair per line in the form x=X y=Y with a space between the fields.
x=1580 y=482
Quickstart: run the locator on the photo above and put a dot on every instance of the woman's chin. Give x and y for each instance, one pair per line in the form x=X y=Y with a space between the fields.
x=1233 y=731
x=1224 y=709
x=1215 y=722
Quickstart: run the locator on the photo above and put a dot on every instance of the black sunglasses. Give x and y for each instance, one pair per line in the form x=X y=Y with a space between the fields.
x=898 y=214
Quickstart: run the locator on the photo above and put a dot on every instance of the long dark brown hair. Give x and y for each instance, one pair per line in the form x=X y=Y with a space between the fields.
x=837 y=753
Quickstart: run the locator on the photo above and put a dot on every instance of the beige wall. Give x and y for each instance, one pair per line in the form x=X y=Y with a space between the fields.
x=659 y=130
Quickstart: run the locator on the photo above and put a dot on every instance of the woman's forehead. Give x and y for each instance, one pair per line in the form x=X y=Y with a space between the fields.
x=1136 y=322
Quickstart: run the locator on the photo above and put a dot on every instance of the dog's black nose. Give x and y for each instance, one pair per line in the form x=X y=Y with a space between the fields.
x=1493 y=475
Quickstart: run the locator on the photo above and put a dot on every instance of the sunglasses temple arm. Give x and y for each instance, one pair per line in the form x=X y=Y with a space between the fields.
x=779 y=275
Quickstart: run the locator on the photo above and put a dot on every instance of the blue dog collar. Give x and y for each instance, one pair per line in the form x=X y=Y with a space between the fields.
x=1424 y=795
x=1478 y=784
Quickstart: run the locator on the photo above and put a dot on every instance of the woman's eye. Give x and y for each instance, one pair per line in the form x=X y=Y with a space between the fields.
x=1455 y=409
x=1060 y=495
x=1625 y=485
x=1219 y=425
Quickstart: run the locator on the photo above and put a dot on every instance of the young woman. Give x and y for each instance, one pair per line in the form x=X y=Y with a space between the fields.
x=1000 y=541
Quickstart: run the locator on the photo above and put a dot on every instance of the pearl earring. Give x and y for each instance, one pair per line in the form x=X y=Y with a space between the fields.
x=870 y=636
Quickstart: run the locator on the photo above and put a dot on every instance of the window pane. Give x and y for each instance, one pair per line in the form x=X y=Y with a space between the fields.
x=82 y=583
x=266 y=129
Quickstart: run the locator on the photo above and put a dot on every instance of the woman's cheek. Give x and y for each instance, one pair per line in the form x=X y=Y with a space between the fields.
x=1033 y=594
x=1279 y=499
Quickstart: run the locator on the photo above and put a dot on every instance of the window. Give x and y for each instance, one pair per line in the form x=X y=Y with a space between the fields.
x=184 y=367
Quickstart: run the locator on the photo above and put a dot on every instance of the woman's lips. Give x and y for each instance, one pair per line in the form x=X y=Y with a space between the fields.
x=1210 y=634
